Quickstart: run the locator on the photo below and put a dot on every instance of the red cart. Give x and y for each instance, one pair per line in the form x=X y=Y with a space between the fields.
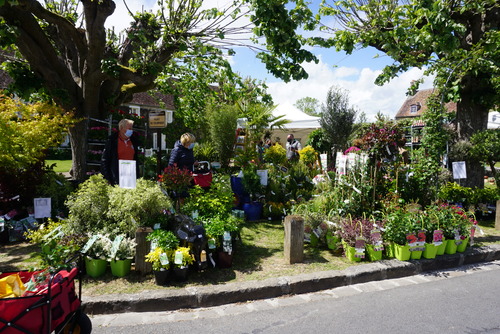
x=55 y=307
x=202 y=174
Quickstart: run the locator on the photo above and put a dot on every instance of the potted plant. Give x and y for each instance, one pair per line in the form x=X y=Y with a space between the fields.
x=252 y=184
x=121 y=255
x=96 y=252
x=160 y=262
x=220 y=232
x=398 y=224
x=182 y=258
x=163 y=244
x=354 y=237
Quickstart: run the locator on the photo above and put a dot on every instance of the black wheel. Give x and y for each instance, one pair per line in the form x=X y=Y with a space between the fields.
x=80 y=325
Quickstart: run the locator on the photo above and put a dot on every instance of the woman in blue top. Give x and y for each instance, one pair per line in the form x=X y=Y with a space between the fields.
x=182 y=155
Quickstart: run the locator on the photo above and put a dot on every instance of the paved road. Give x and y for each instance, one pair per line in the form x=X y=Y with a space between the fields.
x=463 y=300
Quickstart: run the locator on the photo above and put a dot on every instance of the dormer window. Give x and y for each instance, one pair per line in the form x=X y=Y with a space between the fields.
x=414 y=108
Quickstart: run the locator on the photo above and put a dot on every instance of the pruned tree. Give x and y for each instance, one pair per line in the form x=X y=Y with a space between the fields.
x=337 y=118
x=308 y=105
x=89 y=69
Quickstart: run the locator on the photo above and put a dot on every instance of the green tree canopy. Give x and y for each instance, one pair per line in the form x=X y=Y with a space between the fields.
x=89 y=69
x=457 y=41
x=486 y=148
x=27 y=131
x=337 y=118
x=308 y=105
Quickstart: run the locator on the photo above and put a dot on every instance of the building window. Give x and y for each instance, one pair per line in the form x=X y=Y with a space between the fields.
x=135 y=110
x=413 y=108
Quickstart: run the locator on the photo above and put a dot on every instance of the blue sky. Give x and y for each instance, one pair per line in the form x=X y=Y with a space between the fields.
x=354 y=73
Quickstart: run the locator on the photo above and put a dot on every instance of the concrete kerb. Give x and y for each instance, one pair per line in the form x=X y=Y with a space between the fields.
x=215 y=295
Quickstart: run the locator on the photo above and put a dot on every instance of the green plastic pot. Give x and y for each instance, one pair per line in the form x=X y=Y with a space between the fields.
x=373 y=255
x=402 y=252
x=332 y=241
x=441 y=248
x=95 y=267
x=451 y=247
x=463 y=246
x=430 y=251
x=121 y=268
x=350 y=253
x=389 y=250
x=416 y=255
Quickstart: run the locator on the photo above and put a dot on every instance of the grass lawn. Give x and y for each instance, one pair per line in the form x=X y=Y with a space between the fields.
x=61 y=166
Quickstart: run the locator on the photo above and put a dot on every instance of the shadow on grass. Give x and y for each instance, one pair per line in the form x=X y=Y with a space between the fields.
x=18 y=256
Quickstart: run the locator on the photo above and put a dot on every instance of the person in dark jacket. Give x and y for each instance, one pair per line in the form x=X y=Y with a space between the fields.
x=121 y=145
x=182 y=155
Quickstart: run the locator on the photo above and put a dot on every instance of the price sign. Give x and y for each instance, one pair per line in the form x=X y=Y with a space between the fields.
x=157 y=119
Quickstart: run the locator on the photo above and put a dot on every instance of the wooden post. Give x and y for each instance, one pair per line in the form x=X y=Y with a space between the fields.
x=497 y=216
x=294 y=239
x=143 y=247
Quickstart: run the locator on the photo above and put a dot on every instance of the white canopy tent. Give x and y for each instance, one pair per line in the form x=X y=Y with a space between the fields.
x=300 y=124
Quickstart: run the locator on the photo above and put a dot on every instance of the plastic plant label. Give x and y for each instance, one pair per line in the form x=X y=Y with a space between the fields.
x=164 y=259
x=317 y=231
x=203 y=256
x=377 y=240
x=226 y=236
x=307 y=237
x=156 y=226
x=89 y=244
x=437 y=237
x=421 y=240
x=359 y=247
x=211 y=243
x=114 y=246
x=412 y=241
x=178 y=257
x=153 y=245
x=458 y=238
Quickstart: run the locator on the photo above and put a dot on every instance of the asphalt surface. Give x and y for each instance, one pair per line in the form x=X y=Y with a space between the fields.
x=215 y=295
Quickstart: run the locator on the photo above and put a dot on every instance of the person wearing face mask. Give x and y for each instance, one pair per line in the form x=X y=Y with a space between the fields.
x=182 y=155
x=121 y=145
x=292 y=148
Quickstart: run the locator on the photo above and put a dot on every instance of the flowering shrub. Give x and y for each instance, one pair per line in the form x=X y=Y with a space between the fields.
x=383 y=141
x=99 y=133
x=175 y=179
x=308 y=155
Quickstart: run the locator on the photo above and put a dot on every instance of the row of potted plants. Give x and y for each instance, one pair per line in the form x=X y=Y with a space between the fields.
x=408 y=234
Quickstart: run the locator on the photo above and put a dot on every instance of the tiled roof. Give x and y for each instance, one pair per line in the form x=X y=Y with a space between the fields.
x=419 y=103
x=145 y=99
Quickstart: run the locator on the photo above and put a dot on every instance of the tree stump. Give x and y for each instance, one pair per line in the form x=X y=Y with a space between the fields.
x=497 y=216
x=294 y=239
x=142 y=249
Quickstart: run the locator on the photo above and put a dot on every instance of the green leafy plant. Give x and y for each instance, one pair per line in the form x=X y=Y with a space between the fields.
x=276 y=155
x=157 y=258
x=217 y=200
x=100 y=247
x=308 y=155
x=216 y=226
x=163 y=239
x=187 y=257
x=126 y=249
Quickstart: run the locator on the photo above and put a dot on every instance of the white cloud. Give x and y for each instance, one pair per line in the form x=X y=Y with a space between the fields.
x=359 y=83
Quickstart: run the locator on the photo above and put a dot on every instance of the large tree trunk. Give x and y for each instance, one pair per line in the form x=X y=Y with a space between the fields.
x=79 y=147
x=472 y=117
